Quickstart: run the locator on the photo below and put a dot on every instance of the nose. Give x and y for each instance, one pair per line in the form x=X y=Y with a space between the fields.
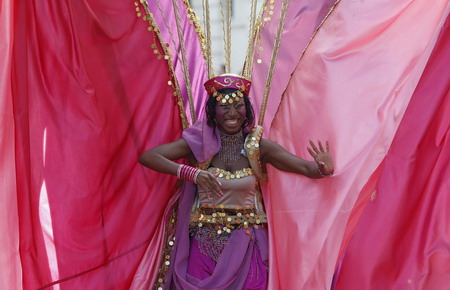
x=232 y=111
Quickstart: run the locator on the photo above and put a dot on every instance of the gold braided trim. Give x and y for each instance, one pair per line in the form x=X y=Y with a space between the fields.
x=284 y=7
x=224 y=220
x=187 y=78
x=233 y=175
x=173 y=82
x=306 y=47
x=198 y=28
x=169 y=242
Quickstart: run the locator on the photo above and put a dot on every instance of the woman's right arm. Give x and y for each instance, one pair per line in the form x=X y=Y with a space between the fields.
x=161 y=158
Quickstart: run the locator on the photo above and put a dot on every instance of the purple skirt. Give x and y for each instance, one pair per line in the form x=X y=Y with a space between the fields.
x=241 y=263
x=202 y=264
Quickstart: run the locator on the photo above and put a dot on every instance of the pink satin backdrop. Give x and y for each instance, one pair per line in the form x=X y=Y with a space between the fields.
x=351 y=88
x=10 y=273
x=89 y=96
x=402 y=240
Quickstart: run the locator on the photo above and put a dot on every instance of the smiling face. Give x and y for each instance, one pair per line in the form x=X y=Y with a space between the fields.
x=231 y=117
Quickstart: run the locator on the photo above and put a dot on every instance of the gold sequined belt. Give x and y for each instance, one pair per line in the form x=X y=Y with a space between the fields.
x=227 y=219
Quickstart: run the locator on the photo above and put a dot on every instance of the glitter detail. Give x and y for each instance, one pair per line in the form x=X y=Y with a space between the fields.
x=231 y=146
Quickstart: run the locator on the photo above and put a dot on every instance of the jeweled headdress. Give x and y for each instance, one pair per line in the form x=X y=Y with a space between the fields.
x=228 y=81
x=241 y=83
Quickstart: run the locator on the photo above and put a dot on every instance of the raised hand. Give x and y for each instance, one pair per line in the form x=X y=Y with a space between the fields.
x=322 y=157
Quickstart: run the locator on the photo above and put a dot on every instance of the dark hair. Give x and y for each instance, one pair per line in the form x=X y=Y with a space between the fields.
x=210 y=109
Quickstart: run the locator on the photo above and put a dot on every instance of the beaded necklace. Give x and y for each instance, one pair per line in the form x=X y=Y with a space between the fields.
x=231 y=146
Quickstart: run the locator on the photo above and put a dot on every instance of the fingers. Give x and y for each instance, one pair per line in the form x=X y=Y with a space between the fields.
x=311 y=152
x=320 y=146
x=328 y=146
x=314 y=147
x=210 y=184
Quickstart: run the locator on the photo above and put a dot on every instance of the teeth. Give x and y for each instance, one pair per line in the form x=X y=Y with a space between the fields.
x=231 y=122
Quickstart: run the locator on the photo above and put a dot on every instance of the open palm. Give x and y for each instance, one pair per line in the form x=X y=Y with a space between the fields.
x=322 y=157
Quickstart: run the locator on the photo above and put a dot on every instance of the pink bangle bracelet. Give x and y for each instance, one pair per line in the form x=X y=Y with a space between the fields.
x=188 y=173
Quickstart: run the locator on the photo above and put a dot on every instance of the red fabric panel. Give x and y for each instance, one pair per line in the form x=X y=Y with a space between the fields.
x=89 y=97
x=403 y=238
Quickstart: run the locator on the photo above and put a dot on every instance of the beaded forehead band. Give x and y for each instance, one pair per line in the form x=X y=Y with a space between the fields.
x=228 y=81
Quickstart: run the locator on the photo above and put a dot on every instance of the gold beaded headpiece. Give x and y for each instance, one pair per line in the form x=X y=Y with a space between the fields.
x=228 y=81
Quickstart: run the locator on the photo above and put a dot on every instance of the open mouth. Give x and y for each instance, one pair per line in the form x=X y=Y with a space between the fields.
x=231 y=123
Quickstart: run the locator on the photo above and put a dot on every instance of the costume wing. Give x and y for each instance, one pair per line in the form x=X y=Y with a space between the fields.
x=88 y=90
x=404 y=229
x=351 y=86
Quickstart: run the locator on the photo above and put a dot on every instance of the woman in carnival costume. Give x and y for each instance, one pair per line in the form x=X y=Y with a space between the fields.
x=220 y=237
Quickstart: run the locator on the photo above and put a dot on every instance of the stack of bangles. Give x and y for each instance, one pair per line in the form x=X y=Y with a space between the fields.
x=188 y=173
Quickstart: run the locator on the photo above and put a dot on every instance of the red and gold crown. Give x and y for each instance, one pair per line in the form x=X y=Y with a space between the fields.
x=228 y=81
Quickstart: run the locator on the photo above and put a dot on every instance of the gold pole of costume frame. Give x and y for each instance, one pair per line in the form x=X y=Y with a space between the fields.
x=187 y=77
x=207 y=24
x=284 y=7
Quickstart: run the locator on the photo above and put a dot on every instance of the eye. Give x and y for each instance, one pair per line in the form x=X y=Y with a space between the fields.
x=239 y=105
x=224 y=107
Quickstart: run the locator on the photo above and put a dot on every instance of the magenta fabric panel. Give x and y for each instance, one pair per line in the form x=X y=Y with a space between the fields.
x=89 y=97
x=164 y=14
x=10 y=273
x=351 y=88
x=402 y=240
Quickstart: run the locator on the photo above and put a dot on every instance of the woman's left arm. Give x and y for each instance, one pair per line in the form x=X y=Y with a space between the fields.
x=281 y=159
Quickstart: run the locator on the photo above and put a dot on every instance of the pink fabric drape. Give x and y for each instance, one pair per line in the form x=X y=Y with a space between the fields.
x=165 y=17
x=85 y=95
x=351 y=88
x=302 y=19
x=89 y=96
x=10 y=268
x=402 y=240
